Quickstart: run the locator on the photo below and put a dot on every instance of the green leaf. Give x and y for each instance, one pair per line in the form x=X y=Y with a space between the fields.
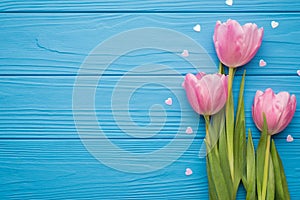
x=281 y=187
x=230 y=122
x=212 y=189
x=260 y=158
x=217 y=122
x=218 y=125
x=271 y=182
x=217 y=175
x=251 y=184
x=218 y=163
x=240 y=137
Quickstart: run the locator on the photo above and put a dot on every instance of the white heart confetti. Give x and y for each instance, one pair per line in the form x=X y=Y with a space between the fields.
x=188 y=172
x=229 y=2
x=298 y=72
x=169 y=101
x=289 y=138
x=189 y=130
x=197 y=28
x=274 y=24
x=185 y=53
x=262 y=63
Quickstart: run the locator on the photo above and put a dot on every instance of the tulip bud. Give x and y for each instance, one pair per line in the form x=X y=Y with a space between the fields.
x=278 y=108
x=207 y=94
x=236 y=45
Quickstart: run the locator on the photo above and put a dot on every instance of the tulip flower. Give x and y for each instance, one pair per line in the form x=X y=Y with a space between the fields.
x=207 y=93
x=271 y=113
x=236 y=45
x=279 y=110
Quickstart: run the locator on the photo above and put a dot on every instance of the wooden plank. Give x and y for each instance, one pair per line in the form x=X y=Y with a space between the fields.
x=41 y=107
x=64 y=169
x=58 y=43
x=154 y=6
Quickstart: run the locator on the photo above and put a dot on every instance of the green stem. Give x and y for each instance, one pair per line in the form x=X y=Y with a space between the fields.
x=206 y=117
x=230 y=122
x=266 y=169
x=221 y=69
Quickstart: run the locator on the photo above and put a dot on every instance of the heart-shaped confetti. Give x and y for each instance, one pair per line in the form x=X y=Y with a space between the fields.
x=229 y=2
x=185 y=53
x=169 y=101
x=262 y=63
x=298 y=72
x=289 y=138
x=274 y=24
x=188 y=172
x=197 y=28
x=189 y=130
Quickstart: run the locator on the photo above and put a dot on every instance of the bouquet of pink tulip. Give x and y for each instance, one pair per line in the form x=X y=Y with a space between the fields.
x=231 y=158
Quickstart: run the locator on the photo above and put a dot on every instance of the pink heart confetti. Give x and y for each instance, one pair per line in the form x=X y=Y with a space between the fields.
x=169 y=101
x=298 y=72
x=197 y=28
x=274 y=24
x=189 y=130
x=289 y=138
x=185 y=53
x=188 y=172
x=262 y=63
x=229 y=2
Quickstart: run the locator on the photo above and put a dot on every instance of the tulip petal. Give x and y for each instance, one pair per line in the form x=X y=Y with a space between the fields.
x=279 y=110
x=190 y=88
x=287 y=114
x=200 y=75
x=252 y=42
x=257 y=110
x=236 y=45
x=229 y=39
x=207 y=94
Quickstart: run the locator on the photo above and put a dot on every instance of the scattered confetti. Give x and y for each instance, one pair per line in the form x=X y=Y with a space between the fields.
x=169 y=101
x=274 y=24
x=188 y=172
x=197 y=28
x=229 y=2
x=189 y=130
x=185 y=53
x=289 y=138
x=262 y=63
x=298 y=72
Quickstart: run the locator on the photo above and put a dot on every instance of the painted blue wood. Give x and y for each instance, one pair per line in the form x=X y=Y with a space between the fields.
x=58 y=43
x=63 y=169
x=41 y=107
x=144 y=6
x=42 y=45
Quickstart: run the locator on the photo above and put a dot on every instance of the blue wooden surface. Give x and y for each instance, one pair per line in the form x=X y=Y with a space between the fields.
x=42 y=46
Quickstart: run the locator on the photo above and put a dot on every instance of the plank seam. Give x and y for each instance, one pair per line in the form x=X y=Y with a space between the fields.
x=133 y=75
x=150 y=11
x=114 y=138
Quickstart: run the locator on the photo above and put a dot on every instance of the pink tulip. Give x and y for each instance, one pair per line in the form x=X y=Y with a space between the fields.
x=236 y=45
x=278 y=108
x=207 y=94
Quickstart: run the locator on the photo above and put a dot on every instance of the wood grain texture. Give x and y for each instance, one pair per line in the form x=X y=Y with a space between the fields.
x=58 y=43
x=63 y=169
x=41 y=107
x=42 y=46
x=153 y=5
